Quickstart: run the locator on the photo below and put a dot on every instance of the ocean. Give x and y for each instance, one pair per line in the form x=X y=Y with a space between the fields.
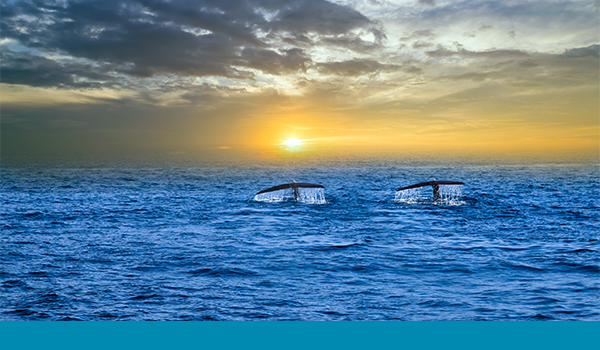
x=190 y=241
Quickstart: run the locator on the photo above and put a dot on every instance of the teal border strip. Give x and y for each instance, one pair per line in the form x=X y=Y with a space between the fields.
x=299 y=335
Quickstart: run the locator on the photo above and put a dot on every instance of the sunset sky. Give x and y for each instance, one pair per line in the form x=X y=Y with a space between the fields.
x=361 y=77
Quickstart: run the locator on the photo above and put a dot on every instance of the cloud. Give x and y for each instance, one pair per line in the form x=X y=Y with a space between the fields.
x=187 y=74
x=355 y=67
x=146 y=38
x=421 y=44
x=419 y=34
x=427 y=2
x=269 y=61
x=67 y=124
x=516 y=67
x=591 y=51
x=528 y=25
x=321 y=17
x=441 y=52
x=27 y=69
x=469 y=76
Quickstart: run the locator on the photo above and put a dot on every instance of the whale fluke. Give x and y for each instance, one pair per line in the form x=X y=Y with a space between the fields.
x=293 y=185
x=314 y=195
x=435 y=184
x=431 y=183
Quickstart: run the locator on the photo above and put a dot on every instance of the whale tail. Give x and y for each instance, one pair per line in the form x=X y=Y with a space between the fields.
x=435 y=184
x=295 y=186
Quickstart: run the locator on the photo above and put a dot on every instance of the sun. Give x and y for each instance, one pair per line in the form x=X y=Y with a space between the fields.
x=292 y=143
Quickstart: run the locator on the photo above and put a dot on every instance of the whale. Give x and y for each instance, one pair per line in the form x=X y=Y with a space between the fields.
x=293 y=185
x=435 y=184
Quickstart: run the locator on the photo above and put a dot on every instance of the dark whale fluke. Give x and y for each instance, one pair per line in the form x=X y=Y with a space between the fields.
x=435 y=184
x=293 y=185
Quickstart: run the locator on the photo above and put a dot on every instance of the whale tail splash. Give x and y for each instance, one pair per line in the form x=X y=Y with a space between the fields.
x=435 y=184
x=317 y=194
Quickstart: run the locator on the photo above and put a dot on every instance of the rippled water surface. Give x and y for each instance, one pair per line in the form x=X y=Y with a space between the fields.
x=146 y=241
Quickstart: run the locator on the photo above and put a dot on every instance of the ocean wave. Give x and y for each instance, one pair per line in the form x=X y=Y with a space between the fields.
x=223 y=272
x=191 y=243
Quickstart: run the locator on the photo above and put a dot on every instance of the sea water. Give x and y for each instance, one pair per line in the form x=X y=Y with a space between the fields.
x=190 y=241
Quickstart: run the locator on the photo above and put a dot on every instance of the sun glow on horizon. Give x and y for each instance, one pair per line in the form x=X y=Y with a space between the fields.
x=292 y=142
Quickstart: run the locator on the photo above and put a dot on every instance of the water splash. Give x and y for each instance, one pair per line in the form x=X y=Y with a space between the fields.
x=450 y=195
x=305 y=195
x=411 y=196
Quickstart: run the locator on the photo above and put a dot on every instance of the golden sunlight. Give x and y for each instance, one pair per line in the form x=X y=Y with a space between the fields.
x=292 y=143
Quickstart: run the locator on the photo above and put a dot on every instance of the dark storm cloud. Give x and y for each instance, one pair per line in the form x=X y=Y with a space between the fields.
x=24 y=68
x=145 y=38
x=235 y=19
x=321 y=17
